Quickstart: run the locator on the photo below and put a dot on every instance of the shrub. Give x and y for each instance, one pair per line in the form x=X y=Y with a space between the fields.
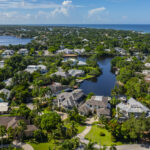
x=102 y=134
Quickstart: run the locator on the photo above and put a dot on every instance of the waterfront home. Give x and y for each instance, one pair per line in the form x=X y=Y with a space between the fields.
x=61 y=73
x=23 y=51
x=9 y=121
x=2 y=64
x=69 y=100
x=132 y=106
x=7 y=53
x=65 y=51
x=79 y=51
x=147 y=65
x=99 y=105
x=76 y=73
x=146 y=72
x=3 y=107
x=8 y=82
x=72 y=60
x=33 y=68
x=82 y=63
x=57 y=87
x=6 y=93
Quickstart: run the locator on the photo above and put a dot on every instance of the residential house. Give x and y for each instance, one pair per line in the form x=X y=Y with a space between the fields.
x=120 y=50
x=6 y=93
x=146 y=72
x=85 y=40
x=69 y=100
x=107 y=50
x=147 y=79
x=65 y=51
x=82 y=63
x=76 y=73
x=132 y=106
x=72 y=60
x=33 y=68
x=79 y=51
x=61 y=73
x=97 y=104
x=13 y=123
x=7 y=53
x=3 y=107
x=8 y=82
x=147 y=65
x=2 y=64
x=57 y=87
x=23 y=52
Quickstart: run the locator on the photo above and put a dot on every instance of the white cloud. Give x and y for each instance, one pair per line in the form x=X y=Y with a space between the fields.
x=66 y=3
x=63 y=9
x=95 y=11
x=18 y=4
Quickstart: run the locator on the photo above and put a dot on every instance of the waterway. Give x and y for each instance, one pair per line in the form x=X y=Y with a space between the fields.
x=103 y=84
x=6 y=40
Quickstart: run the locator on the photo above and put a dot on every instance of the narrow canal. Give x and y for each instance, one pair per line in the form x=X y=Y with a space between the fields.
x=103 y=84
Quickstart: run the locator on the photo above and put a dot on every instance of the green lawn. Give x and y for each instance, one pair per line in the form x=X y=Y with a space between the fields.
x=44 y=146
x=80 y=128
x=94 y=136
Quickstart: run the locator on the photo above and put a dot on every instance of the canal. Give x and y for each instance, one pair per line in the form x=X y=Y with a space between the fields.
x=103 y=84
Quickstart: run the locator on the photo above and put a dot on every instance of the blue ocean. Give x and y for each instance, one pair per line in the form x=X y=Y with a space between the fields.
x=145 y=28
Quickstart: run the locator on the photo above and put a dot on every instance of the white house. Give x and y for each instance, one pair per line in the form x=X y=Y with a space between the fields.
x=61 y=73
x=146 y=72
x=33 y=68
x=82 y=63
x=125 y=109
x=66 y=51
x=23 y=51
x=76 y=73
x=8 y=82
x=1 y=64
x=3 y=107
x=147 y=65
x=7 y=53
x=79 y=51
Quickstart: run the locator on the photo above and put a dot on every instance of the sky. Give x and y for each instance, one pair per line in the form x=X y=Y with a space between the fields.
x=74 y=11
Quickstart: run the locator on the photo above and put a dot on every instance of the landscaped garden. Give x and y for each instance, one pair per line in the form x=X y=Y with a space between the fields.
x=101 y=136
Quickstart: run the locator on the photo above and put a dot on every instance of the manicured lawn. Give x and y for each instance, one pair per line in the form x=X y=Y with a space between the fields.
x=86 y=77
x=94 y=136
x=80 y=128
x=43 y=146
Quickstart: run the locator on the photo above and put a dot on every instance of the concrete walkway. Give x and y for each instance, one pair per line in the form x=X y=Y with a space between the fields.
x=24 y=146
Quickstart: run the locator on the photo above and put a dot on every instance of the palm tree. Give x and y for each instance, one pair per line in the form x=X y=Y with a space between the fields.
x=2 y=133
x=20 y=129
x=113 y=147
x=90 y=146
